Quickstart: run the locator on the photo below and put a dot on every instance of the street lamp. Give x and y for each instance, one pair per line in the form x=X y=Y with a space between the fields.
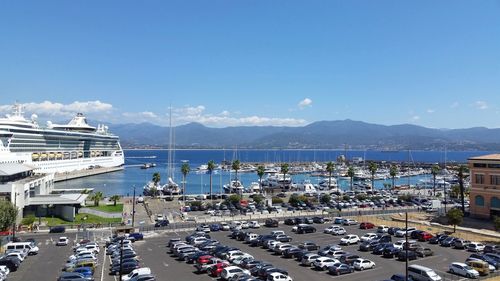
x=133 y=209
x=15 y=219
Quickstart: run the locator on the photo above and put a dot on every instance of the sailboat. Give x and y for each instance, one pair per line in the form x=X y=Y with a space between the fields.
x=234 y=185
x=171 y=187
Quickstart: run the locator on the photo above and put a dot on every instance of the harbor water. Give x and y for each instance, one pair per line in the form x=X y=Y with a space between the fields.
x=123 y=182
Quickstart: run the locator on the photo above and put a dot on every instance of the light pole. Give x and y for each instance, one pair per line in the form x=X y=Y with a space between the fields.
x=15 y=219
x=406 y=245
x=133 y=209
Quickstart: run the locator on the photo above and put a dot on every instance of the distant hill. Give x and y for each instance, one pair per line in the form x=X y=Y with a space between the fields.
x=322 y=134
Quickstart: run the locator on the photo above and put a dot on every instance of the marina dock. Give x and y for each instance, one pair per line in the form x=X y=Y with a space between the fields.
x=58 y=177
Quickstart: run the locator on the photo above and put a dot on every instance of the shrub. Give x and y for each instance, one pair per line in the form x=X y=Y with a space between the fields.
x=28 y=220
x=277 y=200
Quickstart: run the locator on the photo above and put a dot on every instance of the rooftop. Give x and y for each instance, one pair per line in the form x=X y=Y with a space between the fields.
x=486 y=157
x=9 y=169
x=59 y=199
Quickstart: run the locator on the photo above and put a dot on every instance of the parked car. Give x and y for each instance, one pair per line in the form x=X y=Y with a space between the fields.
x=362 y=264
x=322 y=263
x=305 y=229
x=63 y=241
x=340 y=268
x=349 y=239
x=462 y=269
x=366 y=225
x=402 y=255
x=349 y=222
x=475 y=247
x=162 y=223
x=308 y=259
x=424 y=252
x=309 y=246
x=271 y=223
x=278 y=276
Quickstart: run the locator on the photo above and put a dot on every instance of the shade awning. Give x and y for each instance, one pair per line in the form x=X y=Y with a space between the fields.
x=9 y=169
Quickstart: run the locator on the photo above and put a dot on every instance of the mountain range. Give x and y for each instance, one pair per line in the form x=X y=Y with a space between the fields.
x=321 y=134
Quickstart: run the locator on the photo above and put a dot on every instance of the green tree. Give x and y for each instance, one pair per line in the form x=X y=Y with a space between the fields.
x=294 y=200
x=277 y=200
x=496 y=222
x=361 y=197
x=28 y=220
x=260 y=173
x=350 y=174
x=258 y=199
x=393 y=172
x=156 y=178
x=462 y=170
x=455 y=217
x=284 y=170
x=345 y=197
x=96 y=197
x=330 y=167
x=455 y=191
x=435 y=171
x=8 y=214
x=234 y=198
x=210 y=168
x=185 y=171
x=372 y=167
x=236 y=167
x=325 y=198
x=115 y=198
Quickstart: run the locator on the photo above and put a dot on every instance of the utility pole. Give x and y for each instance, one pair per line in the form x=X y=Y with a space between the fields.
x=406 y=245
x=133 y=209
x=121 y=258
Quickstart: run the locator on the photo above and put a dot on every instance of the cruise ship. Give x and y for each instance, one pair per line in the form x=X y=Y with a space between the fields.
x=57 y=148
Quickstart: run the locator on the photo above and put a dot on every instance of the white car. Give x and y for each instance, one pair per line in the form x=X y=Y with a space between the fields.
x=276 y=276
x=244 y=225
x=224 y=226
x=402 y=232
x=349 y=239
x=350 y=222
x=137 y=272
x=231 y=271
x=330 y=229
x=462 y=269
x=339 y=231
x=368 y=237
x=4 y=269
x=63 y=241
x=254 y=224
x=322 y=263
x=475 y=247
x=382 y=229
x=17 y=255
x=362 y=264
x=399 y=244
x=159 y=217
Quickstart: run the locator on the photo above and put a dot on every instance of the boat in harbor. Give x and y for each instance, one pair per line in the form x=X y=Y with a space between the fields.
x=57 y=148
x=234 y=186
x=171 y=187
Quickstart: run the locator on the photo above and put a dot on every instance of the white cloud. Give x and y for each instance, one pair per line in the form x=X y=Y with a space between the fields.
x=305 y=103
x=430 y=110
x=481 y=105
x=48 y=109
x=415 y=118
x=454 y=104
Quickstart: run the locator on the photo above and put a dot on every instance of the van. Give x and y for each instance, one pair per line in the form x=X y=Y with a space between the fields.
x=422 y=273
x=29 y=246
x=480 y=266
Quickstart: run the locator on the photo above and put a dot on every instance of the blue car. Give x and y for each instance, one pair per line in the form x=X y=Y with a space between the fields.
x=137 y=236
x=87 y=272
x=215 y=227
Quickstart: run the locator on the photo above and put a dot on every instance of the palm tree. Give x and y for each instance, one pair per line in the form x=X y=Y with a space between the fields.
x=156 y=178
x=115 y=198
x=329 y=168
x=236 y=166
x=350 y=173
x=373 y=169
x=434 y=171
x=260 y=173
x=462 y=170
x=284 y=170
x=393 y=172
x=184 y=170
x=210 y=168
x=96 y=197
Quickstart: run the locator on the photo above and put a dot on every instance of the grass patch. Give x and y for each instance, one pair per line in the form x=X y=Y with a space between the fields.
x=108 y=208
x=91 y=219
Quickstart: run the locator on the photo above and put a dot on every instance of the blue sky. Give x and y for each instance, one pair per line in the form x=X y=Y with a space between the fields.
x=225 y=63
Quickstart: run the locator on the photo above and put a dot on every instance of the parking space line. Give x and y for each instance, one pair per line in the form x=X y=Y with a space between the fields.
x=103 y=264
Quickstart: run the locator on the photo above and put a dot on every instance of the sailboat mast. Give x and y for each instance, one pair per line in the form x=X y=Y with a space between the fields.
x=170 y=141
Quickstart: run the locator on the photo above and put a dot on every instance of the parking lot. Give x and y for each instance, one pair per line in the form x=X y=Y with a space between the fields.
x=153 y=253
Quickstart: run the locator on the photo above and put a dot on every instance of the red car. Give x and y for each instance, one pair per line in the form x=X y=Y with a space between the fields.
x=217 y=269
x=366 y=225
x=204 y=259
x=425 y=236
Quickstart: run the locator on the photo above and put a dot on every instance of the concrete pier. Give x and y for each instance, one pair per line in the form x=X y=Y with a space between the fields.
x=84 y=173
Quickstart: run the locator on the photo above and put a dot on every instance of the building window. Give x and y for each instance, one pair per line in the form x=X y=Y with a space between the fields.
x=495 y=203
x=494 y=166
x=479 y=178
x=495 y=180
x=479 y=200
x=479 y=165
